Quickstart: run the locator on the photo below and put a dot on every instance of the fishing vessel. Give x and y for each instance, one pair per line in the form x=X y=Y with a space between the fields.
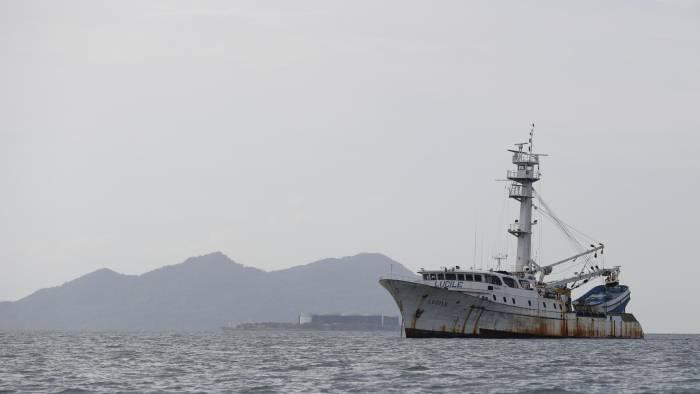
x=528 y=301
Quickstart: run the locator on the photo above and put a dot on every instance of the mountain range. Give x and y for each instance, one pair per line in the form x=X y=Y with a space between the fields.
x=204 y=293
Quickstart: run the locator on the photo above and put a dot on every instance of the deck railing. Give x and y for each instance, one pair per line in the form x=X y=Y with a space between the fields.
x=525 y=158
x=415 y=279
x=519 y=191
x=523 y=174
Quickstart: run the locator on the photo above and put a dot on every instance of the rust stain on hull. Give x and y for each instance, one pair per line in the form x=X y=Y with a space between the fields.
x=464 y=325
x=538 y=327
x=476 y=323
x=419 y=311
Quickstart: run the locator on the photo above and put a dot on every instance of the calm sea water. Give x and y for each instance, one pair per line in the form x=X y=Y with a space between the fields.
x=287 y=361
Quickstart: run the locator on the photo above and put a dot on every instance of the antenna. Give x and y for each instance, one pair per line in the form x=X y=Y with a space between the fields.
x=532 y=131
x=498 y=258
x=482 y=253
x=474 y=259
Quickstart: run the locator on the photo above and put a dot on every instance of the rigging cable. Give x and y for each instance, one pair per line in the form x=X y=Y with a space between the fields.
x=562 y=226
x=567 y=229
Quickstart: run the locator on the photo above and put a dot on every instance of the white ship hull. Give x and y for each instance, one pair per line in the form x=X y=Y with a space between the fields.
x=429 y=311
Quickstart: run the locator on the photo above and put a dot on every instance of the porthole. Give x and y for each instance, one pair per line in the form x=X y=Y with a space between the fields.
x=529 y=303
x=494 y=297
x=544 y=304
x=505 y=300
x=513 y=301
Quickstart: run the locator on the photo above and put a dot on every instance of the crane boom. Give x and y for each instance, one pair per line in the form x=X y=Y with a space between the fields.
x=548 y=268
x=598 y=272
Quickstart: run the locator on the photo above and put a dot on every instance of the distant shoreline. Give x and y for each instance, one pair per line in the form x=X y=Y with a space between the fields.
x=274 y=326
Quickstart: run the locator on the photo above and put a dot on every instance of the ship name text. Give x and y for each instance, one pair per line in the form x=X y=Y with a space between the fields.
x=449 y=283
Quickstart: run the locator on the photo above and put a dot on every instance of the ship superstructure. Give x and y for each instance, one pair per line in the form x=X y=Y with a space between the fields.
x=456 y=302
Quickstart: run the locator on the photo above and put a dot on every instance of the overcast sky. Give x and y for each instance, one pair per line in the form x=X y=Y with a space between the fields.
x=137 y=134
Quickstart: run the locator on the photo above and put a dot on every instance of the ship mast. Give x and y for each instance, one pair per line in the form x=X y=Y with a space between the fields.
x=527 y=172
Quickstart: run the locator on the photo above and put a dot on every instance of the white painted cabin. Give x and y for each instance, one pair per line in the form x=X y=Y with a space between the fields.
x=502 y=287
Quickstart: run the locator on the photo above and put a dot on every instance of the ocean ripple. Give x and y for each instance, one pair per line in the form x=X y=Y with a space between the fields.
x=305 y=361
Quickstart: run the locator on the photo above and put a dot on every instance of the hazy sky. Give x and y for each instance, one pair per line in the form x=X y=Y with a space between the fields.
x=137 y=134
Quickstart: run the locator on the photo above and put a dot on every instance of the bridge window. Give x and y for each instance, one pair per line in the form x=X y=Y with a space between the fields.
x=460 y=276
x=495 y=280
x=450 y=277
x=433 y=277
x=468 y=277
x=525 y=284
x=425 y=276
x=441 y=277
x=510 y=282
x=477 y=278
